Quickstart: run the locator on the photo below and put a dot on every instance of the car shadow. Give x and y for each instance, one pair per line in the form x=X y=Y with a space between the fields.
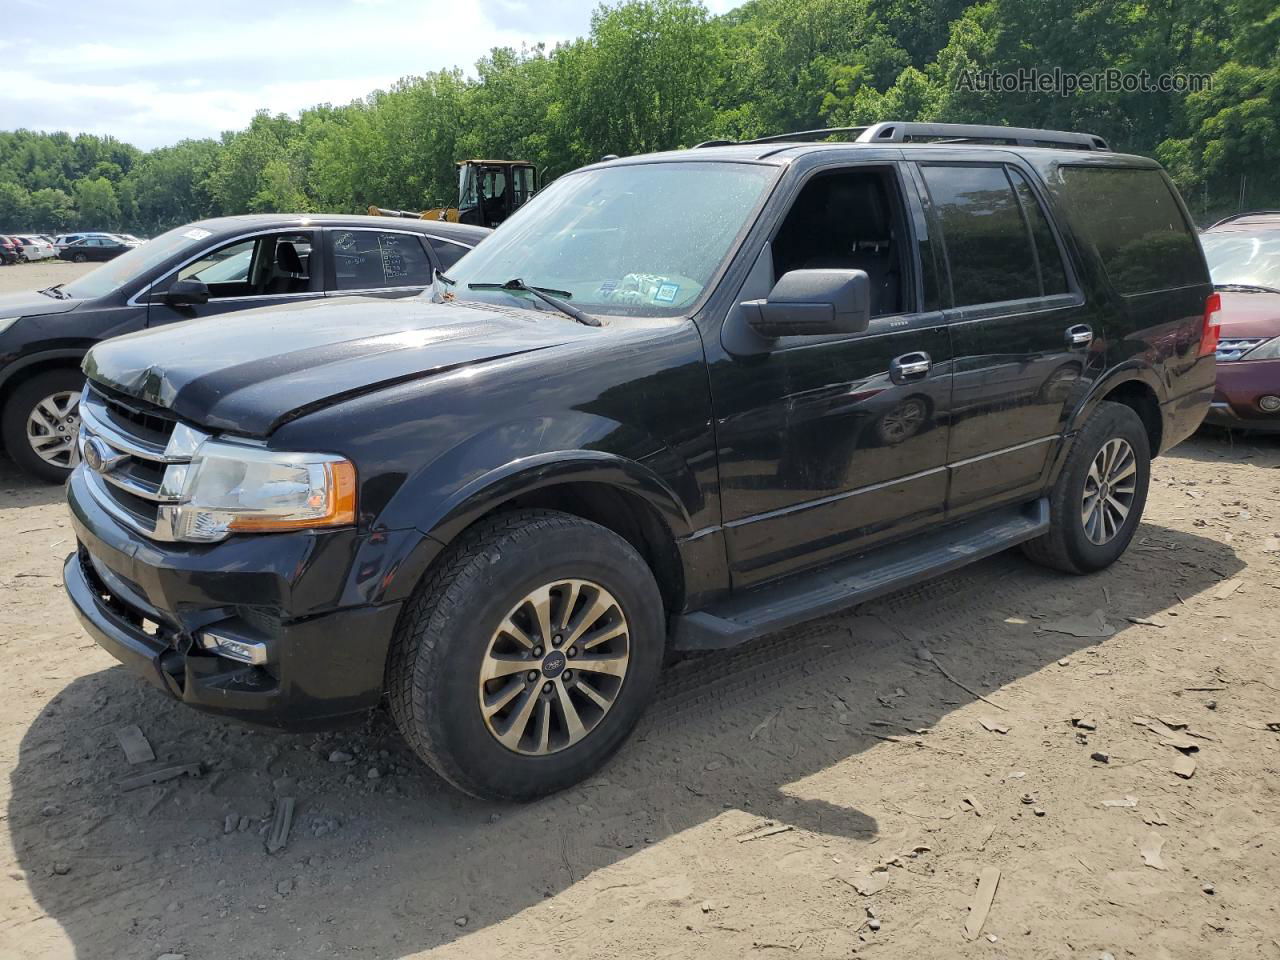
x=19 y=490
x=390 y=865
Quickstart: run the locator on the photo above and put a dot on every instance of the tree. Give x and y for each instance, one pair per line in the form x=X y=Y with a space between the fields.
x=96 y=205
x=15 y=206
x=51 y=210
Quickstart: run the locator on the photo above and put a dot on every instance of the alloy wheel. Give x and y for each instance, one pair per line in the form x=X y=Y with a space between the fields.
x=1109 y=491
x=52 y=428
x=554 y=667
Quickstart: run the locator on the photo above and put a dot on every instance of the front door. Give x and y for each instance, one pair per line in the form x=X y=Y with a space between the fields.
x=257 y=271
x=828 y=444
x=1024 y=351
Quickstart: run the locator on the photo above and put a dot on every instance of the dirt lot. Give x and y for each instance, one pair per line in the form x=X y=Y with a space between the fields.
x=889 y=788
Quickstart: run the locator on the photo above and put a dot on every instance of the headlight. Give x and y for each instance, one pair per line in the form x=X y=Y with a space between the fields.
x=1263 y=351
x=231 y=488
x=7 y=322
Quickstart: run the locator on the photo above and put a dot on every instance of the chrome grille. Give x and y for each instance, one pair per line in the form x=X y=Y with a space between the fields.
x=143 y=455
x=1237 y=347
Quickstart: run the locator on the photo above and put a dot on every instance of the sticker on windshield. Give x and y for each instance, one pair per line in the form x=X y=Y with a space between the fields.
x=195 y=233
x=666 y=293
x=608 y=286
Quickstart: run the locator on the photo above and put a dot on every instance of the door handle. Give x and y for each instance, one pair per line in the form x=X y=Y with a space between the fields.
x=909 y=366
x=1079 y=336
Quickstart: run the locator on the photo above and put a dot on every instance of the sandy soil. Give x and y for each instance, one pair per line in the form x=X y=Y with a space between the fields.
x=827 y=793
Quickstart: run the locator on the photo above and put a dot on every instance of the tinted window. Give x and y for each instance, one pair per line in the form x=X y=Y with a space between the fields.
x=986 y=238
x=1133 y=221
x=229 y=264
x=366 y=259
x=1053 y=275
x=447 y=253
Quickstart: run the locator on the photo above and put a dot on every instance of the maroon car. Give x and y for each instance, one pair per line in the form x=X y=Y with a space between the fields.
x=1244 y=260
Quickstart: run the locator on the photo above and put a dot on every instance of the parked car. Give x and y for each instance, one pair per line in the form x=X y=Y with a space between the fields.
x=1244 y=260
x=94 y=248
x=35 y=247
x=677 y=402
x=66 y=239
x=200 y=270
x=10 y=250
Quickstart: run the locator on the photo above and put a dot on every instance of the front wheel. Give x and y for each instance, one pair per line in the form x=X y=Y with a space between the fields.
x=524 y=660
x=1096 y=504
x=41 y=422
x=80 y=258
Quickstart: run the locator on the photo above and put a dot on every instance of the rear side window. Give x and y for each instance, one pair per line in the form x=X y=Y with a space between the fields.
x=368 y=259
x=1133 y=221
x=988 y=246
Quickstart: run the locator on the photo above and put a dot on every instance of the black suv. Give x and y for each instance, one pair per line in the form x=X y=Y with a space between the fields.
x=199 y=270
x=678 y=401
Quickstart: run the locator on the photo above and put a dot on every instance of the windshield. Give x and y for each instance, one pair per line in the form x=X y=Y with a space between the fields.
x=1252 y=259
x=131 y=266
x=634 y=240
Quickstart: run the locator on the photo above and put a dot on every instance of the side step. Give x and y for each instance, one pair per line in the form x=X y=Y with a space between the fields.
x=864 y=577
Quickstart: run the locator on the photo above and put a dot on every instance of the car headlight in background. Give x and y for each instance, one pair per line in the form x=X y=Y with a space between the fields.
x=233 y=488
x=1269 y=350
x=7 y=322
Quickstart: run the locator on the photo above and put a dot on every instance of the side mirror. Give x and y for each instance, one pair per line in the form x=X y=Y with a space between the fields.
x=813 y=303
x=186 y=293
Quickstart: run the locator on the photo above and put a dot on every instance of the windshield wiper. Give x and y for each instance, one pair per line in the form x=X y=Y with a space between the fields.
x=56 y=292
x=545 y=295
x=1245 y=287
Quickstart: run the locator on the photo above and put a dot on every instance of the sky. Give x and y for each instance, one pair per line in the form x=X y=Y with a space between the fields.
x=153 y=72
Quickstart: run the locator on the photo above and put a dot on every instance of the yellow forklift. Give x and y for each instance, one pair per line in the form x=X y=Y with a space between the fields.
x=489 y=191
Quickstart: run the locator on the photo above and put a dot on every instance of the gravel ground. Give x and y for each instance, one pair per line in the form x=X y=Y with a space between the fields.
x=824 y=793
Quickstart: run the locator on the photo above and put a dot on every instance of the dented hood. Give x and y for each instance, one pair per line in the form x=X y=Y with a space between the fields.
x=249 y=372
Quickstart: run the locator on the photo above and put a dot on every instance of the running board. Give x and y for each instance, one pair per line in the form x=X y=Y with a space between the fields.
x=867 y=576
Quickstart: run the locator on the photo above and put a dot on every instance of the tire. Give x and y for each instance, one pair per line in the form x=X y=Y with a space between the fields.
x=1069 y=545
x=21 y=405
x=450 y=627
x=79 y=258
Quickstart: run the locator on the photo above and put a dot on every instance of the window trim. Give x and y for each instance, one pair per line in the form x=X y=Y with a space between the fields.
x=1016 y=305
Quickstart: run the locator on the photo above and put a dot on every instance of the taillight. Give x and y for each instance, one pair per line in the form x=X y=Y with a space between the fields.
x=1212 y=324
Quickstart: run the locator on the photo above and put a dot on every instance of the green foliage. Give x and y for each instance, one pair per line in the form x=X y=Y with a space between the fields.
x=658 y=74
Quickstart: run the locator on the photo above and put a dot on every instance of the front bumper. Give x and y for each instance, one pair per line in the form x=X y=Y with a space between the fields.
x=1241 y=383
x=145 y=603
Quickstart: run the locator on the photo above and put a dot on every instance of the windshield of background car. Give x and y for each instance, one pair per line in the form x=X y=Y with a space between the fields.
x=1251 y=258
x=134 y=263
x=633 y=240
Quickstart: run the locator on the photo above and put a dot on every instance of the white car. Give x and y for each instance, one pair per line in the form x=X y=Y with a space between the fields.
x=67 y=239
x=36 y=248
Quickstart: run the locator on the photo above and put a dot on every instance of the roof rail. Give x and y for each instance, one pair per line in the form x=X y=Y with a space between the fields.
x=1247 y=213
x=893 y=131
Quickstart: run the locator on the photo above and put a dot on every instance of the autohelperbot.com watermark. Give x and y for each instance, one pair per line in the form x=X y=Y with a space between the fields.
x=1066 y=83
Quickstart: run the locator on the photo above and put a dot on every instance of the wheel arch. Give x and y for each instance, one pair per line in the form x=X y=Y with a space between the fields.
x=1138 y=388
x=23 y=370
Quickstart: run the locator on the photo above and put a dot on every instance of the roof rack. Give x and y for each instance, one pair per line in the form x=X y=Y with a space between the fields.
x=893 y=131
x=1247 y=213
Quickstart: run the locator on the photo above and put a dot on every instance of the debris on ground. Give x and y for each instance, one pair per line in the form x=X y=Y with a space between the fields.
x=1184 y=767
x=1147 y=621
x=988 y=880
x=991 y=726
x=974 y=804
x=1227 y=589
x=153 y=777
x=1094 y=626
x=871 y=884
x=278 y=838
x=1084 y=723
x=137 y=749
x=1100 y=757
x=1150 y=850
x=1126 y=802
x=768 y=830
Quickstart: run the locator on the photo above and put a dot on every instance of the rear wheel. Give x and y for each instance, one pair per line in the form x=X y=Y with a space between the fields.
x=41 y=422
x=524 y=660
x=1096 y=505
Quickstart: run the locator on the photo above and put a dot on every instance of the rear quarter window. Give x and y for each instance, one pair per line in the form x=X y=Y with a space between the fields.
x=1134 y=222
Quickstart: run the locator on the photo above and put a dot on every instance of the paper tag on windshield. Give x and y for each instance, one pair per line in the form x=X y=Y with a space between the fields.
x=195 y=233
x=666 y=293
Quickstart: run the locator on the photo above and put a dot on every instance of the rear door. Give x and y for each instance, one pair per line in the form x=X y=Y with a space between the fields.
x=379 y=263
x=255 y=271
x=1024 y=348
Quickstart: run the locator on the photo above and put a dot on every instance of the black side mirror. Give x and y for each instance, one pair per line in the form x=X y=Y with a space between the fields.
x=813 y=303
x=186 y=293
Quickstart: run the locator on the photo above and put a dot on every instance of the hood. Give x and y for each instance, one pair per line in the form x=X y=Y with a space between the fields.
x=33 y=304
x=251 y=371
x=1252 y=314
